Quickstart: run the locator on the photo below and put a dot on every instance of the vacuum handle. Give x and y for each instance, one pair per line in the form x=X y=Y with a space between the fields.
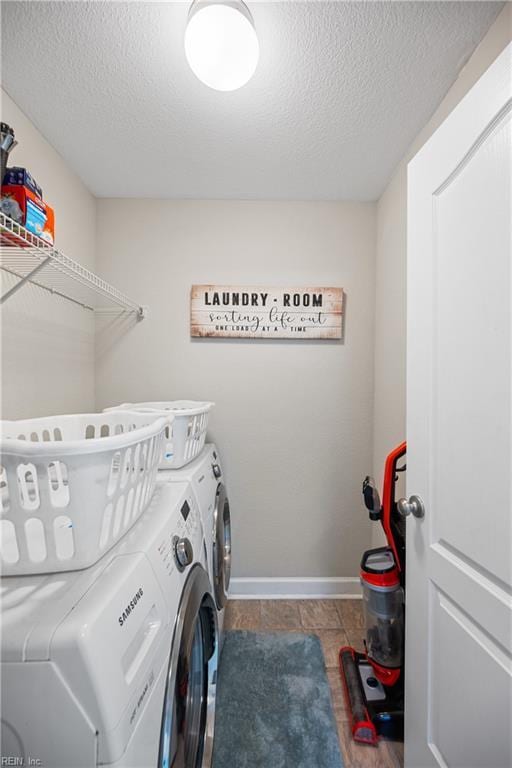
x=371 y=498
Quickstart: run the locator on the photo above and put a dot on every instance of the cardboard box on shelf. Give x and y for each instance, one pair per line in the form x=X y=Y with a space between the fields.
x=24 y=206
x=21 y=177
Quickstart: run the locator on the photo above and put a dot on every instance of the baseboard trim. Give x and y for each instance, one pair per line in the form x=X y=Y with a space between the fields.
x=295 y=588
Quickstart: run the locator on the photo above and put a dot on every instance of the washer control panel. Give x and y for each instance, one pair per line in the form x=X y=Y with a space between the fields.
x=176 y=549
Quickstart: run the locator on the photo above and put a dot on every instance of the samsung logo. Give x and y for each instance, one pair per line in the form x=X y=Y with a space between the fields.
x=130 y=607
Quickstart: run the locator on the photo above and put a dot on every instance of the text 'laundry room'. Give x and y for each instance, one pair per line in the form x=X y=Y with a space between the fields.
x=255 y=430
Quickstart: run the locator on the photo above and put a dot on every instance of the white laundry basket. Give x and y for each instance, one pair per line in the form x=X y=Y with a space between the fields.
x=71 y=486
x=186 y=436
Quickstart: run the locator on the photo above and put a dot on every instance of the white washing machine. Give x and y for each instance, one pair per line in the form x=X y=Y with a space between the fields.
x=117 y=664
x=206 y=477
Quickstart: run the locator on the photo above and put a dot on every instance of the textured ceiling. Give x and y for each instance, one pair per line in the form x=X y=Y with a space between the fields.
x=341 y=90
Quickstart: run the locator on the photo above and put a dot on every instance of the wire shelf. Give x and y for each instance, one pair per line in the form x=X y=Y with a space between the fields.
x=31 y=259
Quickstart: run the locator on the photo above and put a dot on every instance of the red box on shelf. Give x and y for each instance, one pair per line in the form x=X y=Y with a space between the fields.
x=23 y=206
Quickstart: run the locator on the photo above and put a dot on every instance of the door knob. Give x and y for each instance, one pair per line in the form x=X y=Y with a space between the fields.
x=413 y=506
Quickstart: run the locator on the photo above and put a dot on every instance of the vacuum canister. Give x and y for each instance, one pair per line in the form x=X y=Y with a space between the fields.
x=383 y=599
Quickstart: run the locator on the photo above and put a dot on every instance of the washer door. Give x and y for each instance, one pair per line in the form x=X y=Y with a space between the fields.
x=186 y=739
x=221 y=547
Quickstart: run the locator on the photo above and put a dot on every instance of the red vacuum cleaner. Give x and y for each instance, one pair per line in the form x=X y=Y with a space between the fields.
x=374 y=680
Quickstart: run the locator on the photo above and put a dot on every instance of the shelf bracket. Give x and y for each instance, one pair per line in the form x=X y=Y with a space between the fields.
x=23 y=255
x=23 y=280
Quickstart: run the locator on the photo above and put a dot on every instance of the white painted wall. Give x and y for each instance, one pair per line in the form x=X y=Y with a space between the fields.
x=48 y=343
x=391 y=262
x=293 y=418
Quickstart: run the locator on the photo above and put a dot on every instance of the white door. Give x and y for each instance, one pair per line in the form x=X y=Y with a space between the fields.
x=459 y=598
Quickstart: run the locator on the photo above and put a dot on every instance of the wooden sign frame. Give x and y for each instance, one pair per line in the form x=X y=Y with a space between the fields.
x=262 y=312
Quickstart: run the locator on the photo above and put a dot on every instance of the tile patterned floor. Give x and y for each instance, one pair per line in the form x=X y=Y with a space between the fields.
x=337 y=623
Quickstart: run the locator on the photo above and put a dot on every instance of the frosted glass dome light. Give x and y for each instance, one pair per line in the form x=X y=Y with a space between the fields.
x=221 y=44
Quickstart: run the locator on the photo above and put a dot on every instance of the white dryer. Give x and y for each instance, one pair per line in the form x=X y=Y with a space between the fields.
x=206 y=477
x=116 y=665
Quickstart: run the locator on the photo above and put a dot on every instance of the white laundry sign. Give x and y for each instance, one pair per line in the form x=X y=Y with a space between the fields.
x=260 y=312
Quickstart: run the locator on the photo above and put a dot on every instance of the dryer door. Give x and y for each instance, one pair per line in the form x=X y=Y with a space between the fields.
x=186 y=739
x=221 y=547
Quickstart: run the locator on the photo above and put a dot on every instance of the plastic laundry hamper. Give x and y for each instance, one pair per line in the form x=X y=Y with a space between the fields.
x=71 y=486
x=186 y=436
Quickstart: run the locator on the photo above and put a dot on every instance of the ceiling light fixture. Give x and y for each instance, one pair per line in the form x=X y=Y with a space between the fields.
x=221 y=44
